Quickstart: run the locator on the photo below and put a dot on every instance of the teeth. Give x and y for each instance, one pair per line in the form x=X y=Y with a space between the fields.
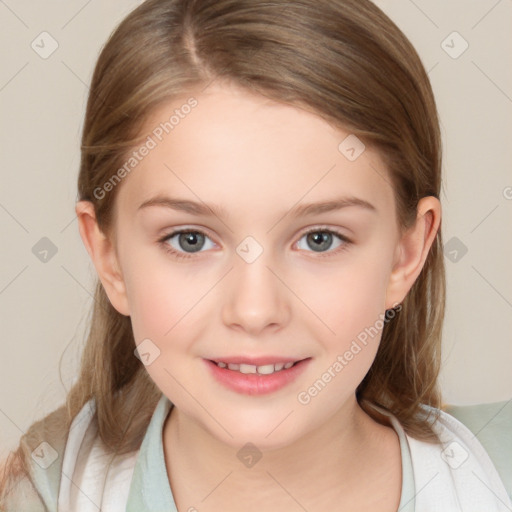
x=267 y=369
x=247 y=368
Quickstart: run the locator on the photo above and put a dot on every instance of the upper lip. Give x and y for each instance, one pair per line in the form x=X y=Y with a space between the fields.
x=256 y=361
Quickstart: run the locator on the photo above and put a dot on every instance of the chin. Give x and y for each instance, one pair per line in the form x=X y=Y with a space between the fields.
x=268 y=432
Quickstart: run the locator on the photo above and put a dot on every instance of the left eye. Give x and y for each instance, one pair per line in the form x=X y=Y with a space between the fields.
x=320 y=239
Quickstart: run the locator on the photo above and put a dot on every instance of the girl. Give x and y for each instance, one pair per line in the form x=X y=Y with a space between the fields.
x=259 y=193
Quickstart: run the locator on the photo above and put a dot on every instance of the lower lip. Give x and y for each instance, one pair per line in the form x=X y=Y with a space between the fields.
x=255 y=383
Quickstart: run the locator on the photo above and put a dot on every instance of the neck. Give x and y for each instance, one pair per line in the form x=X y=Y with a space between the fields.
x=203 y=470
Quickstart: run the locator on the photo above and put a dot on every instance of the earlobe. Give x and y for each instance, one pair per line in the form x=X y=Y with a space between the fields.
x=103 y=255
x=413 y=249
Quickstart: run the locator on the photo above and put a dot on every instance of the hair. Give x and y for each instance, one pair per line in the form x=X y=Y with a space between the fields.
x=344 y=60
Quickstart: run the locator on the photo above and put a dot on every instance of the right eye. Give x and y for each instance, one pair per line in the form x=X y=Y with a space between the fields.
x=185 y=239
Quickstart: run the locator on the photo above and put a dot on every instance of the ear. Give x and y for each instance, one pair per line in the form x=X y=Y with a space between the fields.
x=413 y=249
x=103 y=255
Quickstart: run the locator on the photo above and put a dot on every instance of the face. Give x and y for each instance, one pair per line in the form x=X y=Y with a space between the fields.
x=254 y=277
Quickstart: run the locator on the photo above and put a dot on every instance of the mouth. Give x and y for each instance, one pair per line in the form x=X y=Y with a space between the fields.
x=256 y=376
x=265 y=369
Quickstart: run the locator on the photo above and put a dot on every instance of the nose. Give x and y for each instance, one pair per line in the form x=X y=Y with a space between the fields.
x=255 y=298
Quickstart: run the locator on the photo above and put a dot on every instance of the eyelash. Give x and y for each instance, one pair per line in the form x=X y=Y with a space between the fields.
x=178 y=254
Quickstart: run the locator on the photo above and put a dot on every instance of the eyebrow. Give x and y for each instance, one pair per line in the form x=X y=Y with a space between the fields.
x=200 y=208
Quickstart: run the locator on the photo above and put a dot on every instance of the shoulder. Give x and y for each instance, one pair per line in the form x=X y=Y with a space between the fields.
x=22 y=495
x=32 y=484
x=491 y=424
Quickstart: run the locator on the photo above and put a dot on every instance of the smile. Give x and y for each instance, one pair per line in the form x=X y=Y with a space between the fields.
x=251 y=379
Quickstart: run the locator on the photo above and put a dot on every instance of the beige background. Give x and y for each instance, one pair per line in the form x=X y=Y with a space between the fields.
x=44 y=306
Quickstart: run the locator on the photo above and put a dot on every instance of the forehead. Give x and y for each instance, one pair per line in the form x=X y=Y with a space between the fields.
x=250 y=153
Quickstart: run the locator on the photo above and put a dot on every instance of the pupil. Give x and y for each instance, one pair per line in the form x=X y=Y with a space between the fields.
x=192 y=240
x=319 y=238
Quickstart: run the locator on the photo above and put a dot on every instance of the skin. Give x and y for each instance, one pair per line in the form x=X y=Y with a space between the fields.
x=258 y=159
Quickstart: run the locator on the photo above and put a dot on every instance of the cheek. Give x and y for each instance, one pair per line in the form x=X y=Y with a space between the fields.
x=351 y=303
x=165 y=299
x=157 y=303
x=164 y=303
x=349 y=298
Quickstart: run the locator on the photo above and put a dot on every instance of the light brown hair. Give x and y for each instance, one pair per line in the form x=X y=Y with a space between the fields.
x=342 y=59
